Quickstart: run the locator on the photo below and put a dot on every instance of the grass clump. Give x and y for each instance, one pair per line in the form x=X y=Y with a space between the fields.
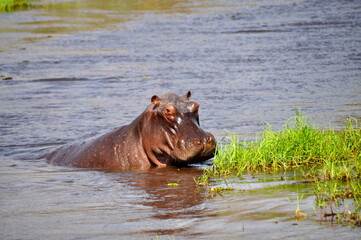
x=332 y=159
x=330 y=154
x=12 y=5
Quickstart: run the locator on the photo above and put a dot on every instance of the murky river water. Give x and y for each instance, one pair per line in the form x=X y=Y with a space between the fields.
x=75 y=68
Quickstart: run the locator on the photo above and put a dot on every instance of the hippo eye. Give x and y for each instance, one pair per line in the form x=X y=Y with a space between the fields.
x=170 y=112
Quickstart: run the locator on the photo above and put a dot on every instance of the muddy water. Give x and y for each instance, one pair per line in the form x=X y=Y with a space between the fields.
x=71 y=69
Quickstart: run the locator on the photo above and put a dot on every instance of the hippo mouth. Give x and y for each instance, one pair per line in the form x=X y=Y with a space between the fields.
x=168 y=159
x=195 y=151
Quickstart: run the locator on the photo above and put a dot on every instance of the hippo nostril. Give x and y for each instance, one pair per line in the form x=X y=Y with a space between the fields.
x=197 y=141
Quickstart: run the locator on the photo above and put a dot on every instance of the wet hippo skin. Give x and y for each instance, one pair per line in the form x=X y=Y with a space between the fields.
x=166 y=133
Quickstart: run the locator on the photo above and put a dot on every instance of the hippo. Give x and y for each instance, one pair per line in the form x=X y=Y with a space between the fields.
x=166 y=133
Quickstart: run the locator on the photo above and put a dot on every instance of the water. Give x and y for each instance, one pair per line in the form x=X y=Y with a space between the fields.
x=84 y=67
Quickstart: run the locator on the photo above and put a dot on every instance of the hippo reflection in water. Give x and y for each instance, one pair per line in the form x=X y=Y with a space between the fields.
x=166 y=133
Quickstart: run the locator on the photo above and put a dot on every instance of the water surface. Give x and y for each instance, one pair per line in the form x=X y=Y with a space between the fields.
x=78 y=68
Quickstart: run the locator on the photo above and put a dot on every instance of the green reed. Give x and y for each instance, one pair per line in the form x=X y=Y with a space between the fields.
x=330 y=158
x=328 y=153
x=12 y=5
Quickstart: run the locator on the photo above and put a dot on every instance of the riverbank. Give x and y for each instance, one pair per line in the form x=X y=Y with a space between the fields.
x=326 y=158
x=12 y=5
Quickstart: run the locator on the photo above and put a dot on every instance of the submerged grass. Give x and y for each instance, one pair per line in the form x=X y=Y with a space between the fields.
x=332 y=159
x=12 y=5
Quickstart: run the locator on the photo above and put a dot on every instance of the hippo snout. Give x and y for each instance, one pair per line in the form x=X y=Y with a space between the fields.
x=205 y=144
x=207 y=140
x=210 y=143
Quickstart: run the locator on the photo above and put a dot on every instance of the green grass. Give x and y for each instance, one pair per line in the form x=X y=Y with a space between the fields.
x=12 y=5
x=330 y=158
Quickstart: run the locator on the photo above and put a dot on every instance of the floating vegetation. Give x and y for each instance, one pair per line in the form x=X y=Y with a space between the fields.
x=329 y=159
x=217 y=191
x=173 y=184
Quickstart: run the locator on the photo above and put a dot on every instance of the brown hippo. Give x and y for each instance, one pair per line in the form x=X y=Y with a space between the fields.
x=166 y=133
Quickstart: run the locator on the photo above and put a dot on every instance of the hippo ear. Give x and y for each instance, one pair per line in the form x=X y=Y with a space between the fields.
x=188 y=95
x=155 y=100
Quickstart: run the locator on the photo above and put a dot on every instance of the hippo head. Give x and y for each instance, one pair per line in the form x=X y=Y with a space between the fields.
x=172 y=134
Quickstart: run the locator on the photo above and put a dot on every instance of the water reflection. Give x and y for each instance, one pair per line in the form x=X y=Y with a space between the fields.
x=74 y=16
x=171 y=190
x=65 y=17
x=170 y=195
x=69 y=17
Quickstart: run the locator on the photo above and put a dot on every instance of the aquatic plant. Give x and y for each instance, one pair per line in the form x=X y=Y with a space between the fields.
x=330 y=159
x=299 y=144
x=298 y=214
x=11 y=5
